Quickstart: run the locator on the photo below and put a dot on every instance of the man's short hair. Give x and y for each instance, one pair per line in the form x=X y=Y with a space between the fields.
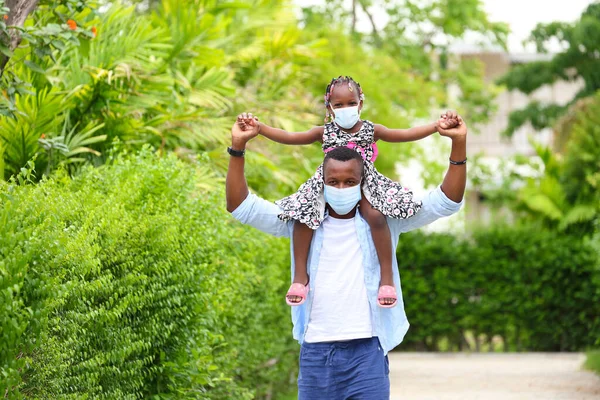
x=343 y=154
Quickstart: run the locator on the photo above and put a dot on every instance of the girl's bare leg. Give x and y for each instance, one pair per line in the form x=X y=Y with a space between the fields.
x=302 y=239
x=383 y=243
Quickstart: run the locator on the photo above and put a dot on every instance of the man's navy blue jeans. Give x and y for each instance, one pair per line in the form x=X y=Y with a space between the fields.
x=354 y=369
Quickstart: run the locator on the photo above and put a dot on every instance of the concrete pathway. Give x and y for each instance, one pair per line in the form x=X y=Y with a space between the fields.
x=512 y=376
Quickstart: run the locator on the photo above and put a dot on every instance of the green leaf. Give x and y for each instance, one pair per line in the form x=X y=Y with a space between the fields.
x=58 y=44
x=541 y=203
x=5 y=50
x=34 y=67
x=84 y=47
x=579 y=213
x=51 y=30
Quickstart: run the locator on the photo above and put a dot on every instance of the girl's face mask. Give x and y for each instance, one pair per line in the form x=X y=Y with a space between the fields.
x=346 y=117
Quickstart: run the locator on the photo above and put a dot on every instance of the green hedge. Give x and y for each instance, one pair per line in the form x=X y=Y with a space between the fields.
x=538 y=290
x=129 y=281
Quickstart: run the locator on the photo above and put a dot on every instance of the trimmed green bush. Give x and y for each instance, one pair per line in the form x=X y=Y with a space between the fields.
x=129 y=281
x=431 y=282
x=538 y=290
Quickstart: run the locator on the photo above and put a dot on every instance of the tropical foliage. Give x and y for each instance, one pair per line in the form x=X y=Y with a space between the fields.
x=173 y=74
x=563 y=196
x=566 y=195
x=578 y=60
x=560 y=188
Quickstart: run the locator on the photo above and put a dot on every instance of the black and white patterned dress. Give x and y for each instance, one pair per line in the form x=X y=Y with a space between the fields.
x=392 y=199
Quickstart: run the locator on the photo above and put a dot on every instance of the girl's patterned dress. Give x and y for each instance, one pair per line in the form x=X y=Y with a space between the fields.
x=307 y=205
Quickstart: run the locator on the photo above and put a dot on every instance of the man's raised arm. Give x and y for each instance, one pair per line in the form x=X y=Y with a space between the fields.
x=446 y=199
x=248 y=208
x=236 y=186
x=455 y=180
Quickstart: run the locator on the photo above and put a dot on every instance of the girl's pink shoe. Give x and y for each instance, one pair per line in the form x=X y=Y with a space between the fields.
x=297 y=289
x=387 y=292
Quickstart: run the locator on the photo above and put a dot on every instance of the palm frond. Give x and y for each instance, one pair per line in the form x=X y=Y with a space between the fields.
x=579 y=213
x=538 y=202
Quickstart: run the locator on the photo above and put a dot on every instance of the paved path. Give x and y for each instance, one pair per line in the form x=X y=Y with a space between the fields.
x=523 y=376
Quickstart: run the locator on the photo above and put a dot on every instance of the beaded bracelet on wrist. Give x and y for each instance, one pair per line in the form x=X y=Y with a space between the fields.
x=458 y=162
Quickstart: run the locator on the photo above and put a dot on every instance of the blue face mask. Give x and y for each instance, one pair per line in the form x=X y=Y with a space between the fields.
x=342 y=200
x=346 y=117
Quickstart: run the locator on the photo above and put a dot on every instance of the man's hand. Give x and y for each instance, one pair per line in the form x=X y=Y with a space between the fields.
x=245 y=128
x=458 y=131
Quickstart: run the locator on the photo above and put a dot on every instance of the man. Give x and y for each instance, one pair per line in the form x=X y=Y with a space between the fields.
x=344 y=335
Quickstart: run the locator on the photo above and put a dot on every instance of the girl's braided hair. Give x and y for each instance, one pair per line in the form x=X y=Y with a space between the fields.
x=343 y=79
x=352 y=85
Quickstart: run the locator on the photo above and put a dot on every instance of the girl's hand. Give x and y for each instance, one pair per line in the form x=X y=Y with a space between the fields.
x=247 y=121
x=448 y=120
x=242 y=132
x=459 y=131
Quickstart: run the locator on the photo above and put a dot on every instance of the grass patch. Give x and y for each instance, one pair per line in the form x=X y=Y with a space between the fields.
x=593 y=361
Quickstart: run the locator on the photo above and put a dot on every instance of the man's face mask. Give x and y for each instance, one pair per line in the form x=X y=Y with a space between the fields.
x=342 y=201
x=346 y=117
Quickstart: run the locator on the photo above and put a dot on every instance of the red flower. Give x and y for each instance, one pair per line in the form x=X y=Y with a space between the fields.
x=72 y=24
x=94 y=31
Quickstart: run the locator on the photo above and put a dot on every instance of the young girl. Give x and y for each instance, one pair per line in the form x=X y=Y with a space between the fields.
x=382 y=196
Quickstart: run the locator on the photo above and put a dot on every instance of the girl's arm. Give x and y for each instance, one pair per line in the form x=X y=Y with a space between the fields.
x=446 y=121
x=248 y=120
x=280 y=136
x=404 y=135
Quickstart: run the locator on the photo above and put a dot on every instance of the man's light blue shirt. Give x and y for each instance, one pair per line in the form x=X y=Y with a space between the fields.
x=389 y=324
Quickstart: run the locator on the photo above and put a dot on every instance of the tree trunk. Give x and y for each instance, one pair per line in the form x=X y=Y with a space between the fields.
x=353 y=29
x=464 y=343
x=19 y=11
x=376 y=36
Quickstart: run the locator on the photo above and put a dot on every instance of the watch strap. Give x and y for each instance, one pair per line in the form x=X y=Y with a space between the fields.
x=458 y=162
x=236 y=153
